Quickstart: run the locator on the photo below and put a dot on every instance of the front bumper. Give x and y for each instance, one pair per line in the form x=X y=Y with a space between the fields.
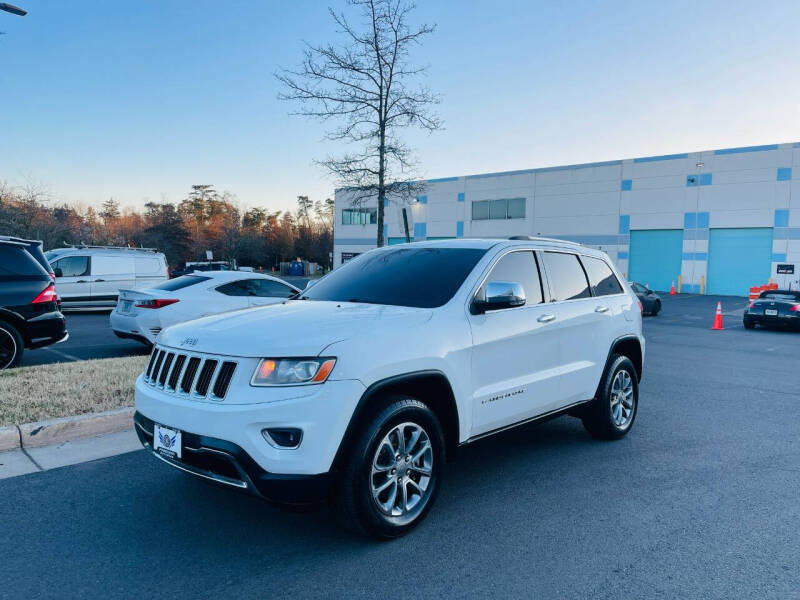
x=322 y=412
x=227 y=464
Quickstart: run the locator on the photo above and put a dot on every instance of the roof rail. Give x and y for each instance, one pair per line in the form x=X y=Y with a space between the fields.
x=88 y=246
x=536 y=238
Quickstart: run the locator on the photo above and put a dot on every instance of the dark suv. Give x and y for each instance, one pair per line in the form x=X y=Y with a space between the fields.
x=29 y=312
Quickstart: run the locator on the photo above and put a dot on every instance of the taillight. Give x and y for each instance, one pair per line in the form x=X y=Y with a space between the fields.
x=752 y=305
x=641 y=308
x=52 y=276
x=48 y=295
x=795 y=308
x=156 y=303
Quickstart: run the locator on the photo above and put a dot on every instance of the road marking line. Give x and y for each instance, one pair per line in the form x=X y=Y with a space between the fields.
x=63 y=354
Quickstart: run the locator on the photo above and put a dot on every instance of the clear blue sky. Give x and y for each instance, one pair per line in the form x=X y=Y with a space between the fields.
x=139 y=100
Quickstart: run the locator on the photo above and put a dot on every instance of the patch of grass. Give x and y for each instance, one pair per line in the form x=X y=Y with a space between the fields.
x=59 y=390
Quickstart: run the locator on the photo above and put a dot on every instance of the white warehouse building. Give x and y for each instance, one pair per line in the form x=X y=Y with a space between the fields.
x=716 y=222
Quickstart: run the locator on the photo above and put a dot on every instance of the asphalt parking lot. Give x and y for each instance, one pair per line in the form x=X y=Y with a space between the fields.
x=699 y=501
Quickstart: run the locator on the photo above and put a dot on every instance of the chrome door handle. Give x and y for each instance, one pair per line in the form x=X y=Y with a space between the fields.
x=601 y=309
x=546 y=318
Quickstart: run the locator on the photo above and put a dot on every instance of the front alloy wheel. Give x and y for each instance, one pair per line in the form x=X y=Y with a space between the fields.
x=393 y=470
x=401 y=471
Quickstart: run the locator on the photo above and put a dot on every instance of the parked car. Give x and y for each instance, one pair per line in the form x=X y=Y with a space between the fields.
x=774 y=307
x=29 y=315
x=362 y=386
x=142 y=314
x=91 y=276
x=651 y=302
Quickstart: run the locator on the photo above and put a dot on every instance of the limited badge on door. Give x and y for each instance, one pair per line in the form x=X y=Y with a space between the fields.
x=167 y=442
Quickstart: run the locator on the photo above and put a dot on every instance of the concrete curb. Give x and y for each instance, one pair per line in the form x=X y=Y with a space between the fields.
x=67 y=429
x=9 y=438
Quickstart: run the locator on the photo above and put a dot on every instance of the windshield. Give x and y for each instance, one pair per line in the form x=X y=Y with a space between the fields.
x=415 y=277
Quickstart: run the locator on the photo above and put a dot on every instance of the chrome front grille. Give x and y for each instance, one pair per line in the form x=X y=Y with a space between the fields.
x=188 y=374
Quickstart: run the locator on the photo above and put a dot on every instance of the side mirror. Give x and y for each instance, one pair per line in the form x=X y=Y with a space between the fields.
x=497 y=295
x=58 y=272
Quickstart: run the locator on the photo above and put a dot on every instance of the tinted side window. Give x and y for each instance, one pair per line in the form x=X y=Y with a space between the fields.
x=568 y=279
x=73 y=266
x=148 y=266
x=519 y=267
x=271 y=289
x=236 y=288
x=602 y=278
x=15 y=261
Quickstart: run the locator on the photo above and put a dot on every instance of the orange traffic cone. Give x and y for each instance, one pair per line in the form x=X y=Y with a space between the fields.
x=672 y=289
x=718 y=318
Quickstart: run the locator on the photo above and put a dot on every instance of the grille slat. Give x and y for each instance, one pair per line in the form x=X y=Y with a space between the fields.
x=176 y=371
x=157 y=367
x=193 y=375
x=162 y=378
x=204 y=380
x=188 y=376
x=224 y=379
x=151 y=363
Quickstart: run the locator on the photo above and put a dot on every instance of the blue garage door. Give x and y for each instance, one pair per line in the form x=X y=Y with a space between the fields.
x=738 y=259
x=655 y=257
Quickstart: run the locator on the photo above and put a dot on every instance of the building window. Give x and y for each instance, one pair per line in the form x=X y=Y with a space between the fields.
x=359 y=216
x=503 y=208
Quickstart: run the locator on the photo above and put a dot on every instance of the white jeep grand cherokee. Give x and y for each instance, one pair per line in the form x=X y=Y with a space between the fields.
x=360 y=389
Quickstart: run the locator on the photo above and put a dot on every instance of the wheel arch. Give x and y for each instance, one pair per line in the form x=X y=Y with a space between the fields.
x=430 y=386
x=630 y=346
x=17 y=322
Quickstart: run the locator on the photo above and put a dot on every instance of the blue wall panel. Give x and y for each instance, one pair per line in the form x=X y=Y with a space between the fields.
x=738 y=259
x=655 y=257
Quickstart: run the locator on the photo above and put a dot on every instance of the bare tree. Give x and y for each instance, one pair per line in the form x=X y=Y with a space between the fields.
x=368 y=87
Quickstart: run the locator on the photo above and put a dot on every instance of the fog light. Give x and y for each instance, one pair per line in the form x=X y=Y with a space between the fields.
x=283 y=437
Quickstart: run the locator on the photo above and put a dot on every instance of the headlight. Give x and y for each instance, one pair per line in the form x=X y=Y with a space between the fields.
x=292 y=371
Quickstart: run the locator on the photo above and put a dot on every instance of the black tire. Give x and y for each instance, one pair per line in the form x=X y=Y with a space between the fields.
x=599 y=417
x=12 y=346
x=656 y=308
x=748 y=324
x=354 y=504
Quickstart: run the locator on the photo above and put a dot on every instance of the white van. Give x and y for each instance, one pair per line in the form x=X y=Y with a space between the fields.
x=91 y=276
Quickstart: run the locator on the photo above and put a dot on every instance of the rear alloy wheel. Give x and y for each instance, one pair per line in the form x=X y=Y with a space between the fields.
x=11 y=346
x=748 y=324
x=394 y=471
x=611 y=414
x=656 y=308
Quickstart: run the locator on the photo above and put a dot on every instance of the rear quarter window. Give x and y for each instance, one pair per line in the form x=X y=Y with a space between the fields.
x=602 y=278
x=15 y=261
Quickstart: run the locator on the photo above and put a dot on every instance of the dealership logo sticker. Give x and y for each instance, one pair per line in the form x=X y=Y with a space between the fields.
x=167 y=441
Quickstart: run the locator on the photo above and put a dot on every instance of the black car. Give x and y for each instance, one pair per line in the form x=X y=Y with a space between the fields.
x=774 y=307
x=651 y=302
x=29 y=313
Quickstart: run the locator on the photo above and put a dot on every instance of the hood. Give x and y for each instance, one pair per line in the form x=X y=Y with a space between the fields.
x=294 y=328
